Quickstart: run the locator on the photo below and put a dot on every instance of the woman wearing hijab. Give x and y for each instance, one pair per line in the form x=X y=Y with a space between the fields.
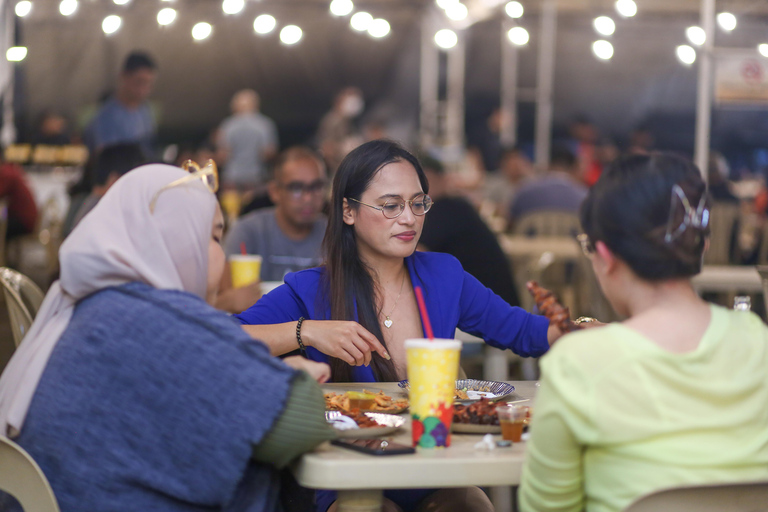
x=131 y=391
x=674 y=395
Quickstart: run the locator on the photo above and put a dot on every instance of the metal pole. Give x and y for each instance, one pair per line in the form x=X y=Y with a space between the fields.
x=508 y=87
x=8 y=131
x=544 y=83
x=455 y=94
x=704 y=93
x=428 y=84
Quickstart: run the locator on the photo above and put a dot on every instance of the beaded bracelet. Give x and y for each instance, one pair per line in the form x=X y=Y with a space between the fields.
x=298 y=337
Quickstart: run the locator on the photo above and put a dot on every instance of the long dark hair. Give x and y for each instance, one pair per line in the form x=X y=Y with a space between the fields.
x=631 y=206
x=348 y=282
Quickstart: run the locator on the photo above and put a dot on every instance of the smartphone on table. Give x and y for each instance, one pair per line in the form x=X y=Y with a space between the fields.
x=374 y=446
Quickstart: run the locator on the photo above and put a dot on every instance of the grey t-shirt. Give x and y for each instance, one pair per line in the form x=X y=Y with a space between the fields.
x=262 y=235
x=246 y=136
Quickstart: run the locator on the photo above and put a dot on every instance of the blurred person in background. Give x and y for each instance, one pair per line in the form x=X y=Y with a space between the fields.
x=110 y=164
x=21 y=207
x=246 y=142
x=673 y=396
x=339 y=132
x=584 y=146
x=515 y=168
x=484 y=136
x=51 y=129
x=287 y=236
x=558 y=189
x=453 y=226
x=641 y=141
x=126 y=117
x=181 y=409
x=717 y=179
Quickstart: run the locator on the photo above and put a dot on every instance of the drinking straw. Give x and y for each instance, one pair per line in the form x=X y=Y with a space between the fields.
x=242 y=248
x=423 y=310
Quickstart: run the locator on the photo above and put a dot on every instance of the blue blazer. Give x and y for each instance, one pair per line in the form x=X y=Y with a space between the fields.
x=453 y=299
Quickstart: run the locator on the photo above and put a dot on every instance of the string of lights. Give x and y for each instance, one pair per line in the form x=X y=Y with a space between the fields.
x=364 y=22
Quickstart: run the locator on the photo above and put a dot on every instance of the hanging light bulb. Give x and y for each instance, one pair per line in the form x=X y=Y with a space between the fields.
x=602 y=49
x=111 y=24
x=16 y=53
x=457 y=11
x=341 y=7
x=444 y=4
x=291 y=34
x=686 y=54
x=727 y=21
x=360 y=21
x=696 y=35
x=166 y=16
x=232 y=6
x=604 y=25
x=514 y=9
x=626 y=8
x=201 y=31
x=379 y=28
x=23 y=8
x=518 y=36
x=446 y=38
x=264 y=24
x=67 y=7
x=763 y=49
x=121 y=2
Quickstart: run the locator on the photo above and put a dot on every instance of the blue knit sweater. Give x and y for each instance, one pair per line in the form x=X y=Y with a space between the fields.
x=152 y=401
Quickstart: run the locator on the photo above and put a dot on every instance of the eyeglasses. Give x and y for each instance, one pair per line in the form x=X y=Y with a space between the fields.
x=587 y=247
x=296 y=189
x=209 y=175
x=393 y=208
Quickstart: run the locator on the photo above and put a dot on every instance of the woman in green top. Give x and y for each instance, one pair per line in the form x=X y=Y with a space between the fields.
x=674 y=395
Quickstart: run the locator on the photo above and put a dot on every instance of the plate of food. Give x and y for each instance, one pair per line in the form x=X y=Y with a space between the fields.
x=365 y=401
x=363 y=425
x=477 y=418
x=472 y=390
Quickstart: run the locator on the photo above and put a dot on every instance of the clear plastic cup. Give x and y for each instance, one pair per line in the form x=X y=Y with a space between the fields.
x=512 y=419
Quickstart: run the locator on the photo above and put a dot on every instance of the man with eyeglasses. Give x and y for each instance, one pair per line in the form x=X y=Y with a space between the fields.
x=288 y=236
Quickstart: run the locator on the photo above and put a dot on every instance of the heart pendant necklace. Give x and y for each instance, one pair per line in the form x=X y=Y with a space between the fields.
x=387 y=319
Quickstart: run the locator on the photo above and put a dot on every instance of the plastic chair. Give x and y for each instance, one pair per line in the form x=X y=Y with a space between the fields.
x=723 y=222
x=21 y=477
x=733 y=497
x=3 y=228
x=23 y=299
x=548 y=223
x=763 y=271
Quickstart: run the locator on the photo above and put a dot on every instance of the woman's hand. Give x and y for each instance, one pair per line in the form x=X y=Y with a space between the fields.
x=321 y=372
x=348 y=341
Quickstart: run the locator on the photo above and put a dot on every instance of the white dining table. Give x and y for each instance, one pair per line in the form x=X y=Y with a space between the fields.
x=727 y=278
x=360 y=478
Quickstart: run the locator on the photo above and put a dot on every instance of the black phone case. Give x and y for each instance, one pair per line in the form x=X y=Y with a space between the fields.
x=390 y=449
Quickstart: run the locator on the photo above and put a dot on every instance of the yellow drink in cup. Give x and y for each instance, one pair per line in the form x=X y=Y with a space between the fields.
x=230 y=203
x=433 y=366
x=246 y=268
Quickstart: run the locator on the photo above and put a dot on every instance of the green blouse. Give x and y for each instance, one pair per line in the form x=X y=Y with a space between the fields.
x=617 y=416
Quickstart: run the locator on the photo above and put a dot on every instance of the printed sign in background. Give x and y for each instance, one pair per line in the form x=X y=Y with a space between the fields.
x=741 y=77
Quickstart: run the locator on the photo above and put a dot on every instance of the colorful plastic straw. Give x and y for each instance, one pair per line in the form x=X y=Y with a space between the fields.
x=242 y=248
x=423 y=310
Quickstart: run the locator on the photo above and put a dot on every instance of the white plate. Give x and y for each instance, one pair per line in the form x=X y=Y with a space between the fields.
x=476 y=389
x=389 y=424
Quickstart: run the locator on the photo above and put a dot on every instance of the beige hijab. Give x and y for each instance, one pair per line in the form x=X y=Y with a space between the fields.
x=118 y=242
